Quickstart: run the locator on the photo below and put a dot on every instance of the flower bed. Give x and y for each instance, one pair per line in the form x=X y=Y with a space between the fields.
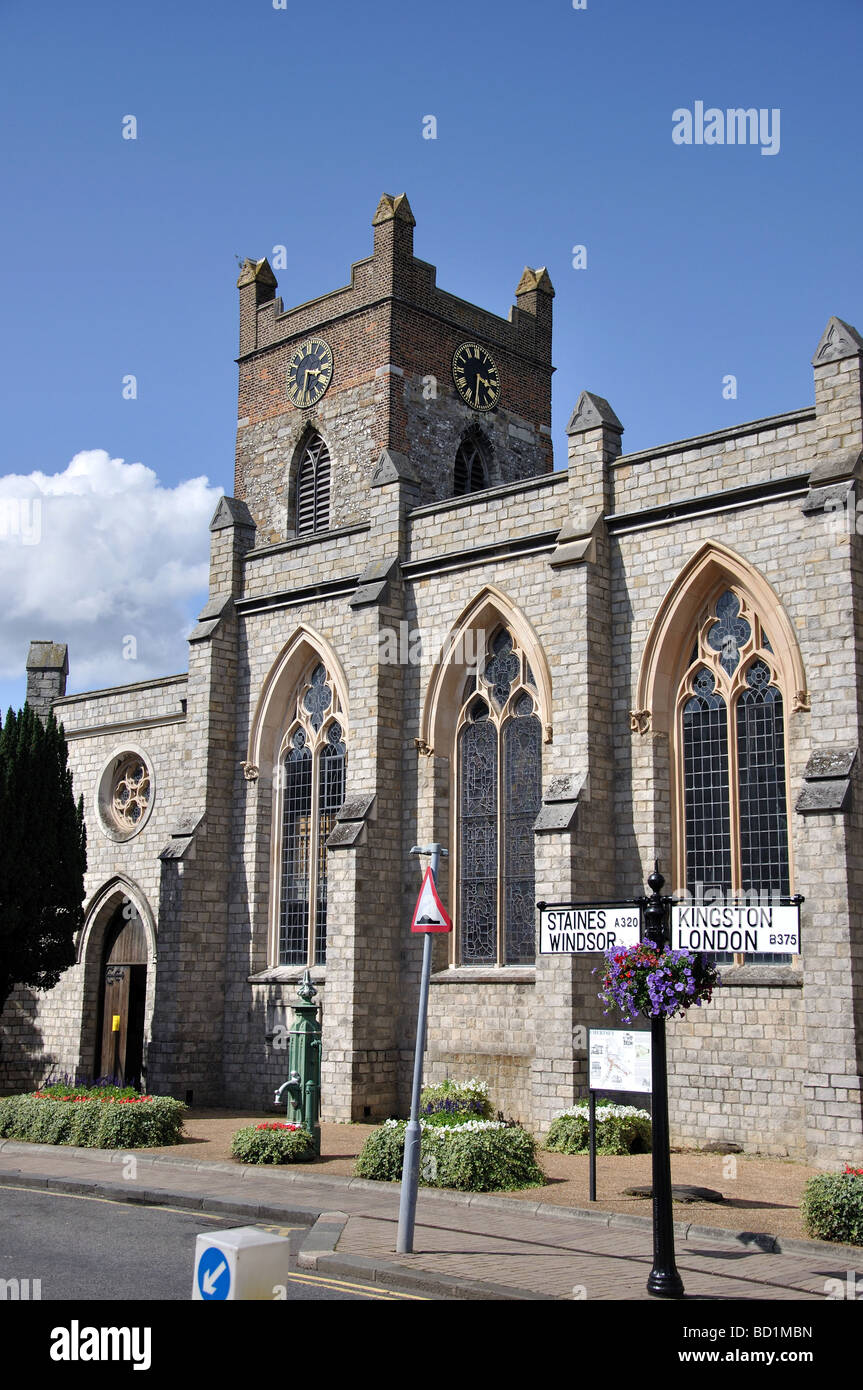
x=273 y=1142
x=620 y=1129
x=473 y=1156
x=451 y=1100
x=832 y=1206
x=93 y=1120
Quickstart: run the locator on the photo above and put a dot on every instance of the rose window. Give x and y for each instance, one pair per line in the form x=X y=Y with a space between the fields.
x=131 y=794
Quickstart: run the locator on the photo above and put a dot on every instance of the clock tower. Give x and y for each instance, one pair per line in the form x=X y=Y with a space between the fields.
x=458 y=398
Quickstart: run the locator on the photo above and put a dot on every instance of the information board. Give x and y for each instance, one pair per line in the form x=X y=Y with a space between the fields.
x=619 y=1060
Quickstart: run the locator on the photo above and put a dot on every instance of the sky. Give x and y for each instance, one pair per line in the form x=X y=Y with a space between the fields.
x=261 y=124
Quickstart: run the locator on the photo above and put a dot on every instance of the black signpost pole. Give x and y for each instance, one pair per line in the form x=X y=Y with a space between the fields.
x=592 y=1144
x=664 y=1280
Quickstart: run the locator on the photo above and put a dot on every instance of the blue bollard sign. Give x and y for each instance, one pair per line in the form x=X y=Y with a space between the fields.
x=213 y=1274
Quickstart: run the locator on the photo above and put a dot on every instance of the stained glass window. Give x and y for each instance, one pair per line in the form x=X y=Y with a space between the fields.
x=313 y=792
x=296 y=849
x=502 y=668
x=478 y=838
x=705 y=776
x=730 y=632
x=761 y=763
x=733 y=753
x=499 y=797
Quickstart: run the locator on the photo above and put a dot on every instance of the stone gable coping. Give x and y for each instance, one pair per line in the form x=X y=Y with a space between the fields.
x=109 y=692
x=839 y=340
x=591 y=413
x=392 y=467
x=231 y=511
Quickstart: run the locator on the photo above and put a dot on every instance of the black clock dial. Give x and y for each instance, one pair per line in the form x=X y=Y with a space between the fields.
x=310 y=371
x=476 y=377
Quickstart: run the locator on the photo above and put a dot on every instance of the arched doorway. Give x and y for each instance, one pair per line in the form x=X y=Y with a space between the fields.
x=122 y=997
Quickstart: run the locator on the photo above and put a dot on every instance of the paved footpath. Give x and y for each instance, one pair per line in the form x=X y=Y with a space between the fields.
x=467 y=1247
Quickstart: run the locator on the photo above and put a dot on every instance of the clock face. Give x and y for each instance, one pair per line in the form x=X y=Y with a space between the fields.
x=310 y=371
x=476 y=377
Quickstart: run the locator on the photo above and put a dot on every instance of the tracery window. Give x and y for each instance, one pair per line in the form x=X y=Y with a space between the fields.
x=469 y=474
x=732 y=766
x=131 y=793
x=124 y=794
x=313 y=487
x=313 y=760
x=499 y=781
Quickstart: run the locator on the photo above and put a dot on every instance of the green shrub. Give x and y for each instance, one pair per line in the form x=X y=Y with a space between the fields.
x=832 y=1207
x=475 y=1156
x=620 y=1129
x=468 y=1099
x=382 y=1154
x=93 y=1122
x=273 y=1142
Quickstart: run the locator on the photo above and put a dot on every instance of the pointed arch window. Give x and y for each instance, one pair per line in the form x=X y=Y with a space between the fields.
x=499 y=795
x=470 y=470
x=313 y=487
x=732 y=761
x=313 y=762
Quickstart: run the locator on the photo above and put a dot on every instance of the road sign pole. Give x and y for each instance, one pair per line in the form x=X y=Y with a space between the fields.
x=591 y=1130
x=664 y=1280
x=410 y=1168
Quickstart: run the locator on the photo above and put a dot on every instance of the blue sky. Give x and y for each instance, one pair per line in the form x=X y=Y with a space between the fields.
x=259 y=127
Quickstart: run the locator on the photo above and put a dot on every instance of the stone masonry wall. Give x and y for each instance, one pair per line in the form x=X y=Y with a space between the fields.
x=56 y=1030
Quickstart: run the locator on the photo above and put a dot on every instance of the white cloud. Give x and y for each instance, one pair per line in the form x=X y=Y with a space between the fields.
x=99 y=553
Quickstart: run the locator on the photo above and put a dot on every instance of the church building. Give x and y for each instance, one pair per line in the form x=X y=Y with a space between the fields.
x=417 y=630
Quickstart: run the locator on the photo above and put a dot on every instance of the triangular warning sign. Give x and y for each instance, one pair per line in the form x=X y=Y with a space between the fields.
x=430 y=913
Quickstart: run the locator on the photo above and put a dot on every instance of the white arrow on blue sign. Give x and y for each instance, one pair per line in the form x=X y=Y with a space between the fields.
x=214 y=1276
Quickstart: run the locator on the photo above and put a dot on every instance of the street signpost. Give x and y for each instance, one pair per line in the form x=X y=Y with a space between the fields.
x=758 y=928
x=578 y=929
x=430 y=916
x=582 y=928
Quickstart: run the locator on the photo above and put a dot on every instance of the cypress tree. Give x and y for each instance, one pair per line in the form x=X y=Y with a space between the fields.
x=43 y=854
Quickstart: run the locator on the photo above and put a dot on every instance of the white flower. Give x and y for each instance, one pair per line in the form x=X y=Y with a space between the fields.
x=603 y=1112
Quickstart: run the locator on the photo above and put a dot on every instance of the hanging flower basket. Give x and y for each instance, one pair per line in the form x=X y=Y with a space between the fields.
x=649 y=981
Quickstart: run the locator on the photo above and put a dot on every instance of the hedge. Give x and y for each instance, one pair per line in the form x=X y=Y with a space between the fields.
x=93 y=1121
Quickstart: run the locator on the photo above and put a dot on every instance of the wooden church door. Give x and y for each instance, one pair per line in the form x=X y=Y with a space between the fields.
x=124 y=992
